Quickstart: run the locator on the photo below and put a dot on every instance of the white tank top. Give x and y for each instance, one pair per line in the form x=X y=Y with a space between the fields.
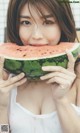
x=24 y=121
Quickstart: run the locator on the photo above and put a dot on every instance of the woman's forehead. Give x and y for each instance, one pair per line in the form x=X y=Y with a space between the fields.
x=33 y=10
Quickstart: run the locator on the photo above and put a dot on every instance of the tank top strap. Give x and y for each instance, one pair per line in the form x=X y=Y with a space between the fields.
x=13 y=95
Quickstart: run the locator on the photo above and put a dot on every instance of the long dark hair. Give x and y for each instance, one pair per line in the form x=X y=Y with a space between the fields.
x=60 y=9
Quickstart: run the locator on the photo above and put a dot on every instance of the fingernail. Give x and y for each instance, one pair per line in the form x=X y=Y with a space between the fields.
x=41 y=78
x=44 y=68
x=23 y=74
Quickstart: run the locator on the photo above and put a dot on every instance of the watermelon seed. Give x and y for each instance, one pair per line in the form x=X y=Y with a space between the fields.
x=24 y=55
x=51 y=52
x=19 y=49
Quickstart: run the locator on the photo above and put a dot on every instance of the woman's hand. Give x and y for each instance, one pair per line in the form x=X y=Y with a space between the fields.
x=7 y=83
x=61 y=79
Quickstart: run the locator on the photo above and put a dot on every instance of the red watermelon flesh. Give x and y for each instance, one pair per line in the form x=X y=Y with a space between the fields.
x=33 y=52
x=30 y=59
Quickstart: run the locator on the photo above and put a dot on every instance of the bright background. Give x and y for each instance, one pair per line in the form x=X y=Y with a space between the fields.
x=3 y=11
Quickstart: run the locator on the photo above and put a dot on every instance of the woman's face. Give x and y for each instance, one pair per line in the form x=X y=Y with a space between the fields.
x=35 y=30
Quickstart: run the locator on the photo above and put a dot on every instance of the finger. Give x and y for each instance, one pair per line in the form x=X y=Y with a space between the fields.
x=8 y=88
x=77 y=69
x=58 y=80
x=1 y=67
x=58 y=74
x=77 y=62
x=12 y=80
x=71 y=62
x=79 y=55
x=5 y=74
x=51 y=75
x=56 y=69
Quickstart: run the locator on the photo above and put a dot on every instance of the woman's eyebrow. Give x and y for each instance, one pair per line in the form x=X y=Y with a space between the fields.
x=23 y=16
x=43 y=16
x=47 y=16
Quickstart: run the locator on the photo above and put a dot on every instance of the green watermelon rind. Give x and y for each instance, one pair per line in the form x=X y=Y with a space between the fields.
x=33 y=68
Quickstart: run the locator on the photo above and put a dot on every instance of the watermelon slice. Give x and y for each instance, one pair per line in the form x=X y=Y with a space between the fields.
x=30 y=59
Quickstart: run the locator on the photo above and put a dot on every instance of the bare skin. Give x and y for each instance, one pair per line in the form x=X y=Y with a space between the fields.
x=42 y=90
x=7 y=83
x=52 y=95
x=59 y=82
x=44 y=103
x=47 y=92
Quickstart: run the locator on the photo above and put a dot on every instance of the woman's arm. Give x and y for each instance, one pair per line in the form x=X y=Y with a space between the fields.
x=4 y=111
x=61 y=81
x=4 y=125
x=3 y=115
x=6 y=84
x=69 y=119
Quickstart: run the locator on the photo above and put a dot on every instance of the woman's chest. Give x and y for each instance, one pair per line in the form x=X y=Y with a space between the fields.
x=40 y=102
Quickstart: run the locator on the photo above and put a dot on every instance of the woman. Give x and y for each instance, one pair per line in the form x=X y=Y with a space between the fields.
x=52 y=103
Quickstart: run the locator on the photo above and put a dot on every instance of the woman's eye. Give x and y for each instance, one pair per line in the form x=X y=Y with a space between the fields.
x=48 y=22
x=25 y=23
